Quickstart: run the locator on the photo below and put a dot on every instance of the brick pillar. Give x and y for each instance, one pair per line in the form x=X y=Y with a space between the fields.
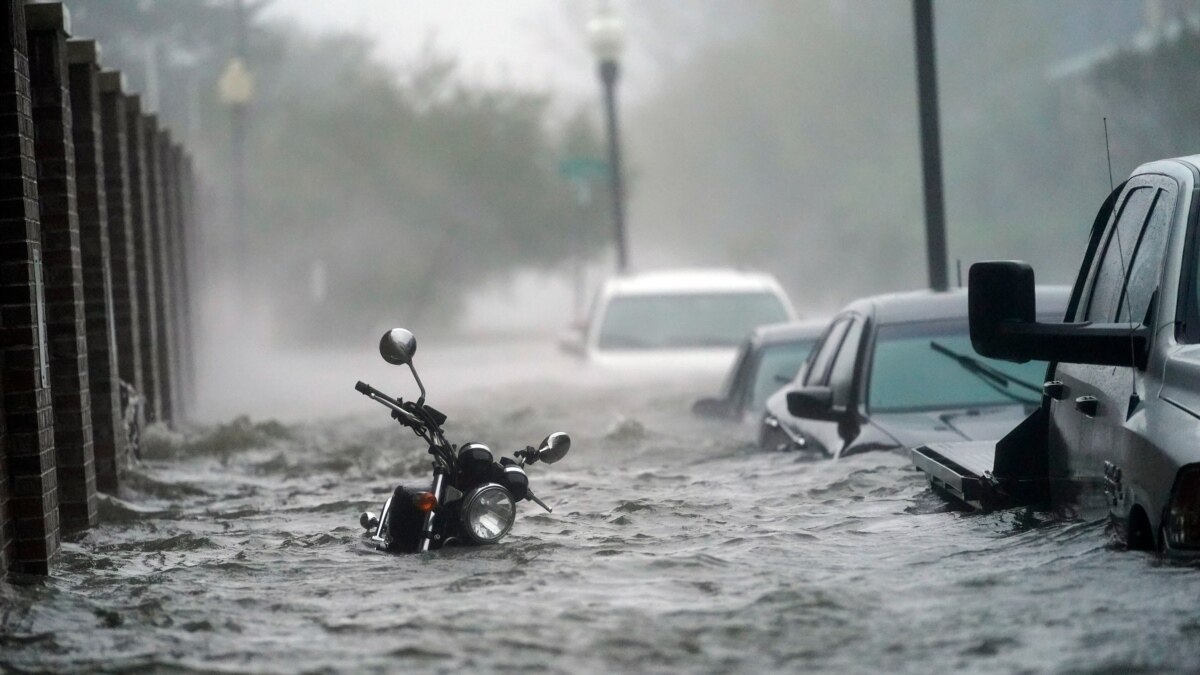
x=32 y=483
x=144 y=248
x=47 y=27
x=108 y=437
x=174 y=211
x=190 y=224
x=163 y=272
x=120 y=230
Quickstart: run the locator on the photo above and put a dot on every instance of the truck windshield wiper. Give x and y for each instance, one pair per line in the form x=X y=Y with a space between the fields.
x=993 y=377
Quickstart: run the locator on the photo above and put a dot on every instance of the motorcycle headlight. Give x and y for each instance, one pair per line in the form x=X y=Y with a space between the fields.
x=1183 y=513
x=487 y=514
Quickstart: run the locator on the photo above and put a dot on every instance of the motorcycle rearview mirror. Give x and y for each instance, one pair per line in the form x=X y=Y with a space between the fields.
x=397 y=347
x=554 y=447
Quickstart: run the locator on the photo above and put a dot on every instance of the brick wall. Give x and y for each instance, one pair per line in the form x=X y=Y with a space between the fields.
x=108 y=437
x=120 y=228
x=47 y=26
x=190 y=227
x=183 y=335
x=144 y=252
x=174 y=266
x=163 y=271
x=31 y=530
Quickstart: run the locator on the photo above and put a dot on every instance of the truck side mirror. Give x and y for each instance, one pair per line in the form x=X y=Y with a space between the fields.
x=711 y=407
x=814 y=403
x=1000 y=296
x=1003 y=316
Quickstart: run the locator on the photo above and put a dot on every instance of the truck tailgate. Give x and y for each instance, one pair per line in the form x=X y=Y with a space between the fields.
x=960 y=469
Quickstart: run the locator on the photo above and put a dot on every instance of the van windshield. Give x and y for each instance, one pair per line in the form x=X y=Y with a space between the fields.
x=686 y=320
x=909 y=375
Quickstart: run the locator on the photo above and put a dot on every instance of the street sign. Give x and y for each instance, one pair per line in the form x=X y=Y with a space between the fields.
x=583 y=168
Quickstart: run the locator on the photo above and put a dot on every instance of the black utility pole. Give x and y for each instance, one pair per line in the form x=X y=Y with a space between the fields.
x=609 y=70
x=931 y=150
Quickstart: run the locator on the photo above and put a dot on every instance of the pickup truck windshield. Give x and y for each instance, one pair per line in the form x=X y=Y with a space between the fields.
x=686 y=320
x=907 y=375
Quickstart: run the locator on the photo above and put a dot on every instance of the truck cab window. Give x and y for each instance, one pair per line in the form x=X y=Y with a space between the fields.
x=818 y=369
x=841 y=377
x=1120 y=241
x=1146 y=267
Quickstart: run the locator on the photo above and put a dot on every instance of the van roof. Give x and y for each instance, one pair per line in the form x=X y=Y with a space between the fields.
x=716 y=280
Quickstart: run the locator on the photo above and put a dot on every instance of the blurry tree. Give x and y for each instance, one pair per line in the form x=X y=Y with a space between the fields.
x=404 y=188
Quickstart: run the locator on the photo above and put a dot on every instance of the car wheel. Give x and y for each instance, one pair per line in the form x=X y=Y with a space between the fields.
x=1138 y=535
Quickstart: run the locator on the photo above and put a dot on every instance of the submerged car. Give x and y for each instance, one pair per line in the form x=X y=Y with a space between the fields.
x=682 y=321
x=768 y=359
x=895 y=371
x=1116 y=432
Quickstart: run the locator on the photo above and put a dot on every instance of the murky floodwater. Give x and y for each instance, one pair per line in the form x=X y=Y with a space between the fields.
x=673 y=547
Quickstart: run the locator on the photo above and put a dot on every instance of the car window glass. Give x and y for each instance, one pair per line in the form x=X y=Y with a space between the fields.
x=909 y=375
x=819 y=366
x=686 y=320
x=776 y=367
x=842 y=376
x=737 y=374
x=1118 y=251
x=1145 y=270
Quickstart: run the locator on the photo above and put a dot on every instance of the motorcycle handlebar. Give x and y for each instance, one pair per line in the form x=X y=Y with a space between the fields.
x=398 y=412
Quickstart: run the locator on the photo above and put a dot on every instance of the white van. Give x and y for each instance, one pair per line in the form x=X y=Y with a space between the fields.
x=678 y=321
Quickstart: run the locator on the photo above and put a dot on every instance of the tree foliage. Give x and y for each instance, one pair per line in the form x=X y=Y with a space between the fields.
x=405 y=188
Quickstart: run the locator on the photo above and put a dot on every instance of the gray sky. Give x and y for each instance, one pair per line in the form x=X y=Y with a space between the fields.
x=530 y=42
x=533 y=43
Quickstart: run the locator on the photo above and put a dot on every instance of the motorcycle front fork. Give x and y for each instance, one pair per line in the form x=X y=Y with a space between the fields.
x=439 y=493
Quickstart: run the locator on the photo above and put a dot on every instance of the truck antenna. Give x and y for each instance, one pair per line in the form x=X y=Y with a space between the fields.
x=1108 y=155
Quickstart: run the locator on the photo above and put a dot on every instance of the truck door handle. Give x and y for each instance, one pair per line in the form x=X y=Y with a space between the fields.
x=1088 y=405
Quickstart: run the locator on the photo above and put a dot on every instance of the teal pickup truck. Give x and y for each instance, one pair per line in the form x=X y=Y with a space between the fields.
x=1118 y=430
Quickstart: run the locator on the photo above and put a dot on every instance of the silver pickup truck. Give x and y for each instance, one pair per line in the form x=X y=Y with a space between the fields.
x=1118 y=430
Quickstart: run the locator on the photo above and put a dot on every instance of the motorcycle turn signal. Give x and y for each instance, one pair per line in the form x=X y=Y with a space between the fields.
x=425 y=501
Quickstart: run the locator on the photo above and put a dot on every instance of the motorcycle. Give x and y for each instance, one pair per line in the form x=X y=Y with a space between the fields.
x=472 y=498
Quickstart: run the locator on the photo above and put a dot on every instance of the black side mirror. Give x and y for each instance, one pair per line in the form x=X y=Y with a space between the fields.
x=711 y=407
x=814 y=403
x=554 y=447
x=573 y=340
x=397 y=347
x=1000 y=295
x=1003 y=315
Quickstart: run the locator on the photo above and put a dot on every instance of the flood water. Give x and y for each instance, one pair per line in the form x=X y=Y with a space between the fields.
x=674 y=546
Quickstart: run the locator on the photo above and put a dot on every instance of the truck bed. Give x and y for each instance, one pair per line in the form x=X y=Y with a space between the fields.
x=962 y=470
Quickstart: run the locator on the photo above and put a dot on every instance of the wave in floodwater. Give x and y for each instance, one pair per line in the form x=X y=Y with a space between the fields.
x=674 y=546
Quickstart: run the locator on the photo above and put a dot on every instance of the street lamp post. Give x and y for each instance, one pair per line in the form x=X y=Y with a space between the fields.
x=606 y=35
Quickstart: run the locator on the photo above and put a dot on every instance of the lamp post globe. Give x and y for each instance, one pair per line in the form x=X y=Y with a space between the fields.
x=606 y=37
x=606 y=34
